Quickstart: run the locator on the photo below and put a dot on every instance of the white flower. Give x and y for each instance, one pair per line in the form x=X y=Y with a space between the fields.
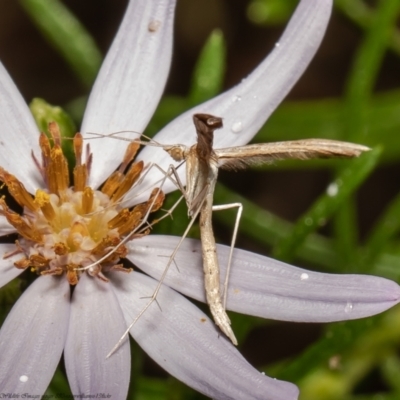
x=48 y=320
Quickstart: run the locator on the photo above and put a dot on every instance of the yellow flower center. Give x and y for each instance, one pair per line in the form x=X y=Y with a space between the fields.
x=67 y=229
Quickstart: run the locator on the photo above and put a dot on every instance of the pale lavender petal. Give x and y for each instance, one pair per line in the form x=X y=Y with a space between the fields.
x=7 y=270
x=266 y=287
x=130 y=82
x=5 y=227
x=247 y=106
x=33 y=335
x=18 y=135
x=95 y=326
x=184 y=341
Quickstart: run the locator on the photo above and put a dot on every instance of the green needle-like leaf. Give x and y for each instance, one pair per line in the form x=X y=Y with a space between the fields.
x=344 y=185
x=372 y=336
x=358 y=93
x=210 y=69
x=365 y=69
x=386 y=228
x=323 y=119
x=362 y=14
x=267 y=229
x=337 y=338
x=391 y=372
x=270 y=12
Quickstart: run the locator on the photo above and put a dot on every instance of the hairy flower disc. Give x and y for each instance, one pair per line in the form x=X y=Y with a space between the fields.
x=67 y=229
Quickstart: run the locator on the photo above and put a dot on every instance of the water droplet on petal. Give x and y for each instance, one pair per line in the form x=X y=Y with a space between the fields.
x=332 y=189
x=348 y=308
x=304 y=276
x=236 y=127
x=23 y=378
x=236 y=98
x=277 y=44
x=154 y=25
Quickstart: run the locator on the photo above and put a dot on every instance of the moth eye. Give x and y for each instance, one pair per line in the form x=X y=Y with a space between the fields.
x=214 y=122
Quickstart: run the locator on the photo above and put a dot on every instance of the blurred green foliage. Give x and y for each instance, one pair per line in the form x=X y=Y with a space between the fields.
x=44 y=113
x=341 y=362
x=67 y=35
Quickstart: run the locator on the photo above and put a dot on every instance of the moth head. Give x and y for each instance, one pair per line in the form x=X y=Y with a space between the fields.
x=177 y=152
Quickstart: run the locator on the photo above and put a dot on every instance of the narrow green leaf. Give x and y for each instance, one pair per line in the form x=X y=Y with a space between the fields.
x=365 y=69
x=375 y=337
x=267 y=229
x=385 y=229
x=387 y=265
x=359 y=12
x=359 y=89
x=348 y=367
x=169 y=108
x=339 y=190
x=336 y=339
x=67 y=35
x=391 y=371
x=210 y=69
x=270 y=12
x=358 y=93
x=323 y=119
x=375 y=396
x=345 y=227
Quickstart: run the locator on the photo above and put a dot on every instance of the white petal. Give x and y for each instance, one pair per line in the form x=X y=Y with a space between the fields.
x=7 y=270
x=18 y=134
x=95 y=326
x=130 y=82
x=247 y=106
x=182 y=340
x=5 y=227
x=33 y=335
x=266 y=287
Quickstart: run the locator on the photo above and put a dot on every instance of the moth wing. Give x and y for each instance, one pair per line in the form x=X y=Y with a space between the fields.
x=266 y=153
